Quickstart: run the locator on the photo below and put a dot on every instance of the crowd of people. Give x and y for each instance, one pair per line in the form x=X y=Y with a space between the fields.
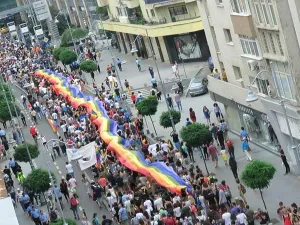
x=131 y=198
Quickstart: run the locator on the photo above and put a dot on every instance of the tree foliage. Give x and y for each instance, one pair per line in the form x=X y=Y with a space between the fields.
x=7 y=92
x=196 y=134
x=60 y=222
x=76 y=33
x=21 y=154
x=57 y=51
x=67 y=57
x=148 y=106
x=38 y=180
x=88 y=66
x=258 y=174
x=165 y=120
x=4 y=112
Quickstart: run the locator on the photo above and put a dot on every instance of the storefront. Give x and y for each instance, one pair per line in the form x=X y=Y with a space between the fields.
x=256 y=123
x=189 y=47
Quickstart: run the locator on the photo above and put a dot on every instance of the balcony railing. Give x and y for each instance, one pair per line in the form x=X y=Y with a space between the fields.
x=154 y=1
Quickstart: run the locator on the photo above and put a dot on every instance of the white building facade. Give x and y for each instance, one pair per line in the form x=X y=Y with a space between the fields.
x=257 y=43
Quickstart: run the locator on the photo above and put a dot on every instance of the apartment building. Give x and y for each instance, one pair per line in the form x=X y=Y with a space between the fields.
x=81 y=12
x=174 y=28
x=257 y=43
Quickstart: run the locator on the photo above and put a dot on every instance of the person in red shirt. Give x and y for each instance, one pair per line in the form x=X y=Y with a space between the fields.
x=133 y=98
x=33 y=131
x=213 y=151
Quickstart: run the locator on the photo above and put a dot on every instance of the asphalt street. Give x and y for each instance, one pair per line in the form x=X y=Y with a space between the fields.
x=282 y=188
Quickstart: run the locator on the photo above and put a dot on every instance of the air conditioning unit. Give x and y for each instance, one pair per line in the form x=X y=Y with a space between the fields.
x=253 y=65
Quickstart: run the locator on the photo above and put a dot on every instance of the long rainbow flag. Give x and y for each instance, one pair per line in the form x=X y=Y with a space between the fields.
x=133 y=160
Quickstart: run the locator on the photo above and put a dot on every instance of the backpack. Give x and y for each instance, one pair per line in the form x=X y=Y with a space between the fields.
x=243 y=189
x=53 y=215
x=73 y=202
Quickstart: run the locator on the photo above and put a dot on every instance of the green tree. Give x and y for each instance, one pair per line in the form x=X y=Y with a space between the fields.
x=67 y=57
x=7 y=92
x=88 y=66
x=77 y=33
x=38 y=180
x=61 y=222
x=165 y=120
x=4 y=112
x=57 y=51
x=258 y=175
x=21 y=154
x=195 y=135
x=148 y=107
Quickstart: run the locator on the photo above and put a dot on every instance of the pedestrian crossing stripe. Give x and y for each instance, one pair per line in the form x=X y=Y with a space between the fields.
x=143 y=91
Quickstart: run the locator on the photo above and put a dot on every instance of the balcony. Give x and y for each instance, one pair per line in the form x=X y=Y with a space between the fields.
x=154 y=1
x=102 y=3
x=131 y=3
x=155 y=29
x=232 y=92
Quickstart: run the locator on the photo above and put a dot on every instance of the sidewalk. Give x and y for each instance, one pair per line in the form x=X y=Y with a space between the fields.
x=141 y=79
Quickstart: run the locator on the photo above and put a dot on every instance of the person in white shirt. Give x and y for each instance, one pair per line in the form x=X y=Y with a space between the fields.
x=69 y=169
x=158 y=202
x=44 y=141
x=241 y=218
x=226 y=216
x=54 y=116
x=72 y=183
x=164 y=146
x=71 y=128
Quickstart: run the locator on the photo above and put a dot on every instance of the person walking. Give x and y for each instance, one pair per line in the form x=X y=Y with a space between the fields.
x=119 y=64
x=95 y=220
x=230 y=148
x=177 y=99
x=127 y=86
x=123 y=215
x=23 y=119
x=213 y=151
x=206 y=113
x=151 y=71
x=217 y=111
x=190 y=153
x=58 y=195
x=284 y=161
x=244 y=134
x=192 y=115
x=246 y=149
x=138 y=64
x=44 y=218
x=33 y=116
x=170 y=101
x=64 y=189
x=74 y=207
x=69 y=169
x=220 y=137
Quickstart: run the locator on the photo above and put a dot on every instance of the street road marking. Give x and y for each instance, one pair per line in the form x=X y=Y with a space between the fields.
x=57 y=167
x=54 y=163
x=62 y=177
x=59 y=172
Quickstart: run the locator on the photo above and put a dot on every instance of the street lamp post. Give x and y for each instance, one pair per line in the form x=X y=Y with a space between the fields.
x=133 y=50
x=252 y=97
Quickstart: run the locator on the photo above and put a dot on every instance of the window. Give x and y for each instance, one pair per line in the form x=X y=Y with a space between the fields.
x=249 y=45
x=147 y=12
x=219 y=2
x=262 y=85
x=214 y=36
x=265 y=12
x=228 y=36
x=237 y=72
x=272 y=43
x=284 y=80
x=121 y=11
x=240 y=6
x=152 y=12
x=178 y=10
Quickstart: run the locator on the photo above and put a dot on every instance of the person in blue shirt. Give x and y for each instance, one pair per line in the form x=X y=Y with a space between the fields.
x=246 y=149
x=44 y=218
x=154 y=82
x=29 y=209
x=123 y=215
x=95 y=219
x=35 y=215
x=26 y=200
x=243 y=133
x=12 y=165
x=58 y=194
x=119 y=63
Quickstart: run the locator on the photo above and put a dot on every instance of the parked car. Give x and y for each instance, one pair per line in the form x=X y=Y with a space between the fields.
x=198 y=84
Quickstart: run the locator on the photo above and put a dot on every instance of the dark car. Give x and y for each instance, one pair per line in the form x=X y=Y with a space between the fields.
x=198 y=84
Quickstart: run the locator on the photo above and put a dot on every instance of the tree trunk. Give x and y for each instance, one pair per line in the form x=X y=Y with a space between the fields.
x=201 y=150
x=262 y=198
x=153 y=125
